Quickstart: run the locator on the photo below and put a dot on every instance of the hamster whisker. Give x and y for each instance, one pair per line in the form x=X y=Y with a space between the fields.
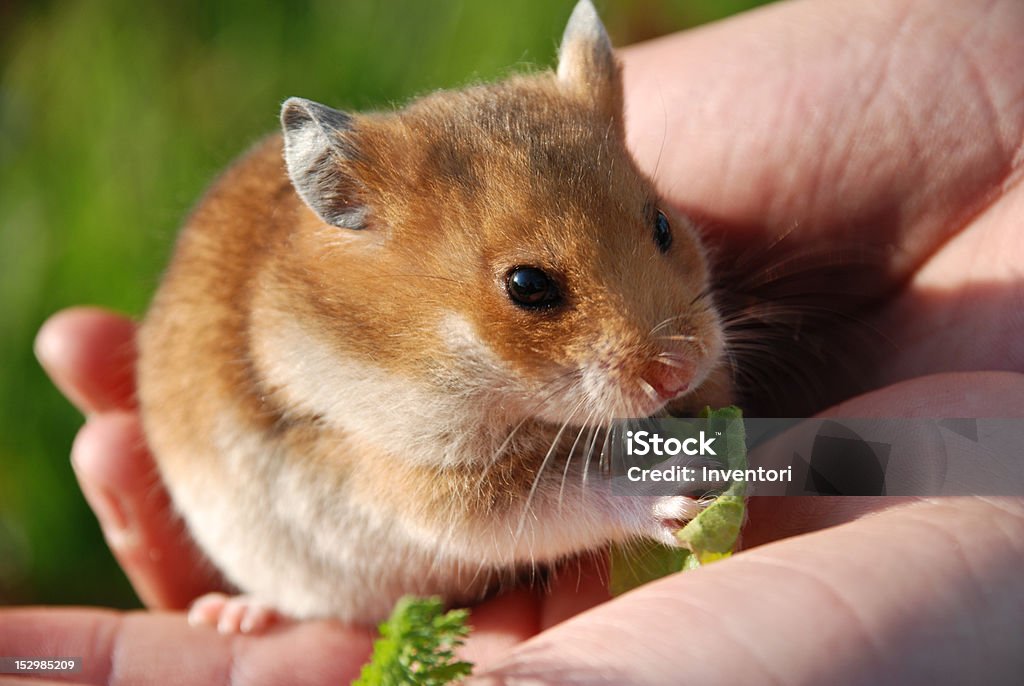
x=590 y=453
x=680 y=337
x=809 y=260
x=801 y=329
x=766 y=311
x=763 y=312
x=666 y=322
x=602 y=463
x=702 y=344
x=647 y=388
x=789 y=363
x=704 y=294
x=670 y=360
x=603 y=430
x=566 y=380
x=808 y=322
x=664 y=134
x=818 y=314
x=584 y=426
x=392 y=276
x=540 y=470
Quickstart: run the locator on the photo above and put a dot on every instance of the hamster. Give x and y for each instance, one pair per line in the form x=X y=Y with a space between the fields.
x=383 y=353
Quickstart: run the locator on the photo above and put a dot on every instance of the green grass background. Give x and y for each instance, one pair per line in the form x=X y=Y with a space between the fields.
x=115 y=115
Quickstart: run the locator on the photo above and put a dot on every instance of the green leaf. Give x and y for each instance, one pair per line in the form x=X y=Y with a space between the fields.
x=728 y=420
x=417 y=646
x=637 y=563
x=708 y=537
x=714 y=531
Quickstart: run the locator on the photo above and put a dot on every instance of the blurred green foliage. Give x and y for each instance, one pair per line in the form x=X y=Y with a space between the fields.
x=113 y=117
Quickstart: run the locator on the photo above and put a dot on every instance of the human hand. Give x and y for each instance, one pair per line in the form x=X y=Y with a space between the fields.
x=721 y=622
x=878 y=598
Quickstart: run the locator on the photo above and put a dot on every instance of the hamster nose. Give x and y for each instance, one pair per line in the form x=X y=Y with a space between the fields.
x=670 y=378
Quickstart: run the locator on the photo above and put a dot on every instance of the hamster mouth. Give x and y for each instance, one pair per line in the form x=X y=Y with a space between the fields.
x=612 y=387
x=643 y=395
x=644 y=392
x=667 y=377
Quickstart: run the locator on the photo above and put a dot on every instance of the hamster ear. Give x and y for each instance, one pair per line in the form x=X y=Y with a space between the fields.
x=318 y=147
x=586 y=63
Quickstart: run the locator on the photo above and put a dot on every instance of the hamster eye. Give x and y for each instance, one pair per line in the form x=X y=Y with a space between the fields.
x=662 y=232
x=531 y=287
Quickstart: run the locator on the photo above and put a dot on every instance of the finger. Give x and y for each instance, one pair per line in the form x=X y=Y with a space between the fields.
x=499 y=624
x=962 y=310
x=90 y=355
x=915 y=594
x=148 y=648
x=576 y=586
x=122 y=485
x=768 y=134
x=978 y=394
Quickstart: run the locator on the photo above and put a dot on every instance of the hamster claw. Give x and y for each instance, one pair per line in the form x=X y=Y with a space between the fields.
x=672 y=512
x=240 y=614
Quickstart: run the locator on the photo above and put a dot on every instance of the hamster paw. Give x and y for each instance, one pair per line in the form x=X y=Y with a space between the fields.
x=240 y=614
x=671 y=513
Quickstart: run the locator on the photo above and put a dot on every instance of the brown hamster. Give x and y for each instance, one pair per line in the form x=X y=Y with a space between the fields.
x=379 y=359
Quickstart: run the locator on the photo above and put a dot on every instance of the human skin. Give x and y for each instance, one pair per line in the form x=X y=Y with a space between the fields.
x=893 y=124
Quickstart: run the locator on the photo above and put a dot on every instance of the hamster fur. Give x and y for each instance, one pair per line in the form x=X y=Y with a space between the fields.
x=345 y=399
